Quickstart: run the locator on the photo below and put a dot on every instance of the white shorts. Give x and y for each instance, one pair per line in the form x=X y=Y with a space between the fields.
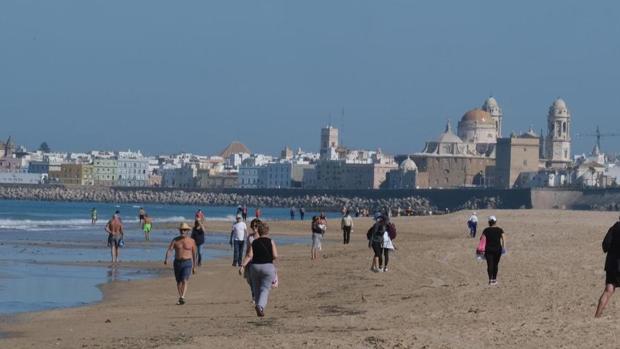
x=316 y=241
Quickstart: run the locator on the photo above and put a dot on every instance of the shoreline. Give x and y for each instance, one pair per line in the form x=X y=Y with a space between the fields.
x=435 y=295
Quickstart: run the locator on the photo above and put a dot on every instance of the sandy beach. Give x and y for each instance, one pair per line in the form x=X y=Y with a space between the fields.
x=434 y=296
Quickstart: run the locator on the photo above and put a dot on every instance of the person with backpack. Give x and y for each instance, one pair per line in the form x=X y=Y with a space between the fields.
x=381 y=243
x=318 y=227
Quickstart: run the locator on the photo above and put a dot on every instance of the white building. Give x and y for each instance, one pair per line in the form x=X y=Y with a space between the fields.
x=183 y=177
x=282 y=175
x=132 y=169
x=248 y=176
x=22 y=178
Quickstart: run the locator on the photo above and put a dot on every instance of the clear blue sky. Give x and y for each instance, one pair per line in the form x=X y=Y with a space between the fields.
x=168 y=76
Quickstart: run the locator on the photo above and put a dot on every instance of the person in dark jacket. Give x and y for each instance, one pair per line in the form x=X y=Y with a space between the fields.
x=611 y=246
x=198 y=234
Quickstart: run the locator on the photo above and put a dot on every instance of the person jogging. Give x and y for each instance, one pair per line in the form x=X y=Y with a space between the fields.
x=262 y=254
x=611 y=246
x=495 y=246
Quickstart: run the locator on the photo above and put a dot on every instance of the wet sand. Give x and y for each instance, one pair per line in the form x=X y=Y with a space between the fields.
x=434 y=296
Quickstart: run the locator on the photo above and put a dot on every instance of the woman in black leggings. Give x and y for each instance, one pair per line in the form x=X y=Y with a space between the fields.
x=494 y=248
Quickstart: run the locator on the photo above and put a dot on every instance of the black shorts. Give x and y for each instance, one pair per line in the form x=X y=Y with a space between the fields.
x=377 y=248
x=141 y=217
x=612 y=278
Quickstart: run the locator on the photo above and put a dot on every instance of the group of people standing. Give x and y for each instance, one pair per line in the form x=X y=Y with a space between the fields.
x=302 y=213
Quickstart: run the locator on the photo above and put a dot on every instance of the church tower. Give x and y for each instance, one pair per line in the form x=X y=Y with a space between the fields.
x=490 y=106
x=558 y=141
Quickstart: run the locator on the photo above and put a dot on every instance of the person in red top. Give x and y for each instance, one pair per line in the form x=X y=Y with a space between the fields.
x=257 y=212
x=200 y=216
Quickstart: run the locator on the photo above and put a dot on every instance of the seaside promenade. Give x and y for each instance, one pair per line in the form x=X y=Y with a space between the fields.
x=434 y=296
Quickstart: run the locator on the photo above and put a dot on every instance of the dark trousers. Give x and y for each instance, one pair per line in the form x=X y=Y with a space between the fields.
x=382 y=253
x=238 y=252
x=346 y=235
x=473 y=227
x=493 y=263
x=199 y=253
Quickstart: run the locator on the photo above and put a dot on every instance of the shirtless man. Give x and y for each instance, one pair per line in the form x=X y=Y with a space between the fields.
x=114 y=228
x=184 y=259
x=141 y=215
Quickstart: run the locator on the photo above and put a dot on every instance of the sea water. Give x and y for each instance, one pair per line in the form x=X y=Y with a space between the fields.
x=51 y=256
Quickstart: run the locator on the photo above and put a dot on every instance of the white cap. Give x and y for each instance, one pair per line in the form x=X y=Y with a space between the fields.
x=492 y=219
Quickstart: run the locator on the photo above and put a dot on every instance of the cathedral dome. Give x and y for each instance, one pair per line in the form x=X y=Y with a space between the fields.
x=558 y=108
x=478 y=115
x=490 y=104
x=408 y=165
x=559 y=104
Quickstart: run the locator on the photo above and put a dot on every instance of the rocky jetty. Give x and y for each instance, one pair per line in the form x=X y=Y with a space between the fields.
x=417 y=205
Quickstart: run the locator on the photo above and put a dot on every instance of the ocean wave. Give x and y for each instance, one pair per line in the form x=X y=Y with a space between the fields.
x=70 y=224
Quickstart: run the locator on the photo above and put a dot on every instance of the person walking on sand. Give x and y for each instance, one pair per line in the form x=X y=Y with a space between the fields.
x=198 y=234
x=262 y=254
x=93 y=216
x=199 y=215
x=472 y=224
x=302 y=213
x=375 y=236
x=292 y=212
x=257 y=213
x=495 y=247
x=184 y=259
x=114 y=228
x=244 y=213
x=147 y=227
x=316 y=237
x=611 y=246
x=253 y=235
x=346 y=224
x=237 y=240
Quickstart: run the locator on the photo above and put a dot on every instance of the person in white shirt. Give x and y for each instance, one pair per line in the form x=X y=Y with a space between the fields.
x=237 y=240
x=346 y=224
x=472 y=224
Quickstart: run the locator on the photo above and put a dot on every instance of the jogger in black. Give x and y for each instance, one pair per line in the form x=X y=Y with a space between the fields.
x=492 y=264
x=495 y=242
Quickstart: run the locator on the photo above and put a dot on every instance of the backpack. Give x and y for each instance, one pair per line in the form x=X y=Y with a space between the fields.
x=375 y=233
x=391 y=229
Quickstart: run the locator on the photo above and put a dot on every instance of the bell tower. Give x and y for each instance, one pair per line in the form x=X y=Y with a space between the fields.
x=558 y=140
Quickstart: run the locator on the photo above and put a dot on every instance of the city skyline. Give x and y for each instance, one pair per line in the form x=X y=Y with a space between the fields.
x=194 y=78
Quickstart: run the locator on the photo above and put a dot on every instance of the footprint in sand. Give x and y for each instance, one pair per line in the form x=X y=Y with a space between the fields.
x=437 y=282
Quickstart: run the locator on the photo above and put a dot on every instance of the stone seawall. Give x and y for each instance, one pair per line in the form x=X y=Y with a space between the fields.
x=421 y=201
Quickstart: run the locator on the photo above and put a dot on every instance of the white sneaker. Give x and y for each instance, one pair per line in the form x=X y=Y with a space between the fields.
x=380 y=270
x=385 y=269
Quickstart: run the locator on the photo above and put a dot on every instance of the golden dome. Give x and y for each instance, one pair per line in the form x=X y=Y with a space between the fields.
x=479 y=116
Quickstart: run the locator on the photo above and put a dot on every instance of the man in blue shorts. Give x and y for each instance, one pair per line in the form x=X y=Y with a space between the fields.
x=184 y=259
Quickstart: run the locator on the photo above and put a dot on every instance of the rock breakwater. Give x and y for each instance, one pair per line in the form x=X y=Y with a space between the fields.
x=418 y=205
